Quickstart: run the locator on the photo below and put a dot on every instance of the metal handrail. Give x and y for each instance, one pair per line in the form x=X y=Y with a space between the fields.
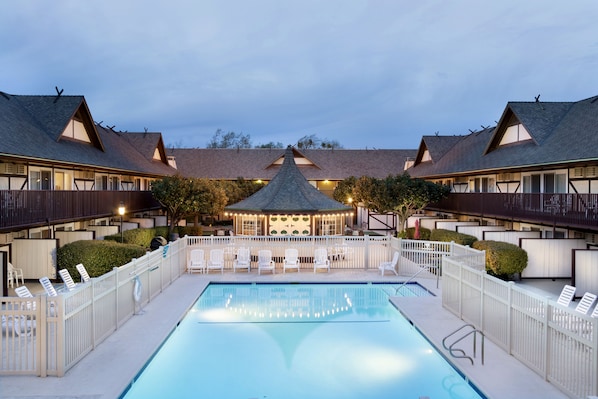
x=463 y=355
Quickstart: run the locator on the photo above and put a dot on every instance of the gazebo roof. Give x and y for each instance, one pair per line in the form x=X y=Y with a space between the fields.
x=288 y=192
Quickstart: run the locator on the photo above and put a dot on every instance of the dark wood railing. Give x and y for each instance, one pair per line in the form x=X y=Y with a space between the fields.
x=563 y=210
x=29 y=208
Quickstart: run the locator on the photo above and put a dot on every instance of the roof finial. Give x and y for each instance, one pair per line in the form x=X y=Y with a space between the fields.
x=59 y=92
x=537 y=98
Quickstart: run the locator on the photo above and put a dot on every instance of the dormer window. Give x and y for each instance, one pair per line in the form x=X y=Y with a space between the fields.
x=515 y=134
x=426 y=156
x=75 y=130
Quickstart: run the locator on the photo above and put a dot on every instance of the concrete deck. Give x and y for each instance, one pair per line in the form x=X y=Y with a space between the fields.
x=107 y=371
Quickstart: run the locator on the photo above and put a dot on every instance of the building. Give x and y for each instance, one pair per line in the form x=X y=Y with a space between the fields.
x=289 y=206
x=537 y=169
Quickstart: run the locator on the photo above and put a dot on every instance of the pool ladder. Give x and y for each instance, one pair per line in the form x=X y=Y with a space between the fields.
x=460 y=353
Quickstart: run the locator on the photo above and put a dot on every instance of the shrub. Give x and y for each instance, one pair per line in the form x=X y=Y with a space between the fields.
x=503 y=260
x=449 y=235
x=143 y=237
x=424 y=234
x=98 y=257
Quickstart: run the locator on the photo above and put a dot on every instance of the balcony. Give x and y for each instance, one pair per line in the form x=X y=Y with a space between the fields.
x=578 y=211
x=31 y=208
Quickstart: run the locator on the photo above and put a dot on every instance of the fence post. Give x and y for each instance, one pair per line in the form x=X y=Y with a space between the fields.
x=595 y=355
x=509 y=315
x=547 y=351
x=366 y=242
x=482 y=294
x=116 y=321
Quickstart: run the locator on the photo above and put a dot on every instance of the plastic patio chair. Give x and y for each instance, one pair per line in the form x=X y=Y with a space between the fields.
x=67 y=279
x=83 y=273
x=321 y=260
x=390 y=266
x=216 y=261
x=197 y=261
x=291 y=260
x=243 y=260
x=265 y=262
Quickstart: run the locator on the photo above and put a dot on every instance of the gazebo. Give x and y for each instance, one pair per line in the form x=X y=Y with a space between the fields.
x=289 y=206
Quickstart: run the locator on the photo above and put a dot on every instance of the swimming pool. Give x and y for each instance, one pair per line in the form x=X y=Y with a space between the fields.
x=297 y=341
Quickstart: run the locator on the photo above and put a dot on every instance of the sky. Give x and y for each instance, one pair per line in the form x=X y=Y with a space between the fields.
x=366 y=74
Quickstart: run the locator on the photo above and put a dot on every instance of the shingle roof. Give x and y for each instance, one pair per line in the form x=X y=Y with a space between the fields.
x=562 y=134
x=288 y=192
x=31 y=128
x=257 y=163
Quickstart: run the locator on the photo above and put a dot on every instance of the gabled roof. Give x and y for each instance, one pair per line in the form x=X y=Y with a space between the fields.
x=31 y=129
x=147 y=144
x=562 y=134
x=260 y=163
x=436 y=146
x=288 y=193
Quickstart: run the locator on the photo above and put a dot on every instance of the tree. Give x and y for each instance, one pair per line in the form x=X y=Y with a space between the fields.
x=399 y=194
x=313 y=142
x=211 y=197
x=229 y=140
x=343 y=192
x=271 y=144
x=176 y=194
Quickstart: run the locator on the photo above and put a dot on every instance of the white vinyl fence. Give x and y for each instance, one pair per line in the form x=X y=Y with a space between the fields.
x=558 y=343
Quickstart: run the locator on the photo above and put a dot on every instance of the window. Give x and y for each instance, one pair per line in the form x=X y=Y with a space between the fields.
x=101 y=182
x=514 y=134
x=114 y=183
x=40 y=180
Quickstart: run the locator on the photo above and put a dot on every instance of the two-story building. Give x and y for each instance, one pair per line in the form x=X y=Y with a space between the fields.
x=537 y=169
x=59 y=170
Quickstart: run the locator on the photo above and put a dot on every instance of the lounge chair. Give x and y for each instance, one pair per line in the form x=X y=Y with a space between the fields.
x=48 y=287
x=14 y=274
x=390 y=266
x=595 y=312
x=243 y=260
x=18 y=324
x=321 y=260
x=585 y=304
x=291 y=260
x=216 y=261
x=264 y=261
x=67 y=279
x=197 y=261
x=566 y=295
x=23 y=292
x=83 y=273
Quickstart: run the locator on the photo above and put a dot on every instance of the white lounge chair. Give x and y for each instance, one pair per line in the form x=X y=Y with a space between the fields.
x=18 y=324
x=595 y=312
x=48 y=287
x=197 y=261
x=265 y=262
x=14 y=274
x=566 y=295
x=243 y=260
x=216 y=261
x=23 y=292
x=83 y=273
x=321 y=260
x=585 y=304
x=291 y=260
x=67 y=279
x=390 y=266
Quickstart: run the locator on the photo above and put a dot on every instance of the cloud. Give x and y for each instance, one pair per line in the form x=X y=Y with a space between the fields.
x=367 y=74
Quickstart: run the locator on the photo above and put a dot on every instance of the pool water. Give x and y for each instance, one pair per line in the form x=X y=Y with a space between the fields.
x=297 y=341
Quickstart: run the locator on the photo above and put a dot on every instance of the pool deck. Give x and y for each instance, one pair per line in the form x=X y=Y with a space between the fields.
x=107 y=370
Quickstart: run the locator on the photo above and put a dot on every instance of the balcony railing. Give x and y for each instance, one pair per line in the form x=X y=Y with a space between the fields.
x=564 y=210
x=29 y=208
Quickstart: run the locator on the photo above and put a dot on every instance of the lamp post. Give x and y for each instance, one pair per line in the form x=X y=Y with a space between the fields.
x=121 y=212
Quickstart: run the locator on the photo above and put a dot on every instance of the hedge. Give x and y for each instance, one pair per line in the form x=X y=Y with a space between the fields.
x=143 y=237
x=424 y=234
x=503 y=260
x=98 y=257
x=449 y=235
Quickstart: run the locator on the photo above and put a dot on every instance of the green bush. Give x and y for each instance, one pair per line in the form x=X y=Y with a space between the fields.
x=98 y=257
x=503 y=260
x=424 y=234
x=449 y=235
x=143 y=237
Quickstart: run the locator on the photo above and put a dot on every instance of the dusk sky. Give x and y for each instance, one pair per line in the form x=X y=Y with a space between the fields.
x=368 y=74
